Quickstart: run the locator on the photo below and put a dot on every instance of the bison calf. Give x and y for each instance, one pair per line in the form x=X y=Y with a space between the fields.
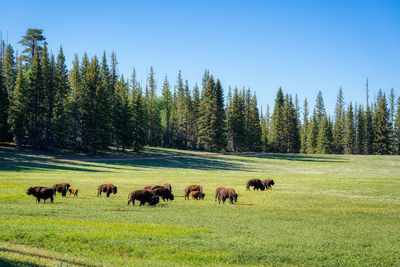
x=268 y=183
x=256 y=183
x=197 y=195
x=227 y=193
x=41 y=192
x=143 y=196
x=106 y=188
x=73 y=191
x=191 y=188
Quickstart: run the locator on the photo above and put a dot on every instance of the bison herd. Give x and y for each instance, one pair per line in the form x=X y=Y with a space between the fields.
x=150 y=194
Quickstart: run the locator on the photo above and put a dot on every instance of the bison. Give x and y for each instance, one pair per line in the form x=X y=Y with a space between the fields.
x=227 y=193
x=197 y=195
x=41 y=192
x=143 y=196
x=191 y=188
x=164 y=193
x=106 y=188
x=149 y=187
x=168 y=186
x=268 y=183
x=217 y=191
x=61 y=188
x=256 y=183
x=73 y=191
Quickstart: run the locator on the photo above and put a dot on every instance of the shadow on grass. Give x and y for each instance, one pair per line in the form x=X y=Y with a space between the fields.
x=7 y=262
x=27 y=166
x=301 y=157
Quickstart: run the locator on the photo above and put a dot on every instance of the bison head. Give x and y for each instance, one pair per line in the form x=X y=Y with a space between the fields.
x=114 y=190
x=154 y=201
x=271 y=182
x=235 y=196
x=30 y=191
x=171 y=197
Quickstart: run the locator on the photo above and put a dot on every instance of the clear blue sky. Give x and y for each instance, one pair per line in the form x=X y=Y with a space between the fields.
x=303 y=46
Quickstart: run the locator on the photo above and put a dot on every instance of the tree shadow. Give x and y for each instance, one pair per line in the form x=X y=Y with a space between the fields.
x=300 y=157
x=34 y=166
x=7 y=262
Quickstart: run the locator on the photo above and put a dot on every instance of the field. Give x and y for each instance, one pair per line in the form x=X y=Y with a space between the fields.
x=325 y=210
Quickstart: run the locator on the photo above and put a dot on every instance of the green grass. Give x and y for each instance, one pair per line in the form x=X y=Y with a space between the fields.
x=325 y=210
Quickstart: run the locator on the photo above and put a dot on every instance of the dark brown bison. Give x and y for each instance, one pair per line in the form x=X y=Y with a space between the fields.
x=143 y=196
x=73 y=191
x=191 y=188
x=168 y=186
x=197 y=195
x=268 y=183
x=227 y=193
x=149 y=187
x=61 y=188
x=164 y=193
x=217 y=191
x=256 y=183
x=107 y=188
x=41 y=192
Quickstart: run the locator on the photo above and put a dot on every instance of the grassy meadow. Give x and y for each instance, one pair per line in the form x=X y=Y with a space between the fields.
x=325 y=210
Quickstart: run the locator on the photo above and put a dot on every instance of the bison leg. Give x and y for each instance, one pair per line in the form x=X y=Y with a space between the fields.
x=142 y=202
x=108 y=194
x=99 y=193
x=231 y=200
x=51 y=198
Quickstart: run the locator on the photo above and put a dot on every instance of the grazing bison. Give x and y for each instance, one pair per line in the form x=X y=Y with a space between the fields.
x=197 y=195
x=217 y=191
x=256 y=183
x=191 y=188
x=164 y=193
x=268 y=183
x=41 y=192
x=227 y=193
x=168 y=186
x=106 y=188
x=61 y=188
x=149 y=187
x=73 y=191
x=143 y=196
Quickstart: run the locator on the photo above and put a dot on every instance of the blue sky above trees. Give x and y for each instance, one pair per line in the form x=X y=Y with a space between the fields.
x=303 y=46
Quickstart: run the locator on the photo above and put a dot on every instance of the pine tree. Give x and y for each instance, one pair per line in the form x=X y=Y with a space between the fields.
x=304 y=128
x=211 y=120
x=360 y=130
x=338 y=129
x=195 y=113
x=18 y=109
x=35 y=108
x=391 y=122
x=181 y=112
x=75 y=81
x=291 y=128
x=32 y=41
x=397 y=128
x=324 y=144
x=369 y=131
x=350 y=132
x=4 y=106
x=166 y=101
x=312 y=134
x=264 y=130
x=275 y=137
x=235 y=123
x=319 y=107
x=381 y=125
x=104 y=105
x=10 y=71
x=138 y=119
x=154 y=131
x=255 y=126
x=63 y=101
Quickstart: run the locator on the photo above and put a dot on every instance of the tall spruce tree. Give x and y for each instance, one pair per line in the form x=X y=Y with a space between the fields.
x=350 y=132
x=10 y=71
x=360 y=132
x=397 y=128
x=304 y=128
x=235 y=123
x=166 y=112
x=391 y=122
x=195 y=113
x=138 y=119
x=312 y=134
x=381 y=125
x=338 y=128
x=324 y=143
x=154 y=131
x=291 y=129
x=75 y=82
x=18 y=109
x=4 y=105
x=275 y=137
x=32 y=41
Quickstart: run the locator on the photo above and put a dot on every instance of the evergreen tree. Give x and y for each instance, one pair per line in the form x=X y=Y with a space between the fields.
x=154 y=131
x=397 y=128
x=166 y=101
x=312 y=134
x=4 y=106
x=32 y=41
x=338 y=129
x=195 y=113
x=18 y=109
x=75 y=81
x=360 y=130
x=291 y=129
x=139 y=119
x=63 y=100
x=104 y=105
x=275 y=137
x=350 y=132
x=304 y=128
x=369 y=132
x=391 y=122
x=235 y=123
x=10 y=71
x=264 y=130
x=324 y=144
x=319 y=107
x=381 y=125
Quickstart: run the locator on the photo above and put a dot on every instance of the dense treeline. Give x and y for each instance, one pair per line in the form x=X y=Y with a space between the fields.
x=91 y=108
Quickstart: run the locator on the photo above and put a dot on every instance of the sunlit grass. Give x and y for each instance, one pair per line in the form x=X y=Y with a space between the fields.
x=324 y=210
